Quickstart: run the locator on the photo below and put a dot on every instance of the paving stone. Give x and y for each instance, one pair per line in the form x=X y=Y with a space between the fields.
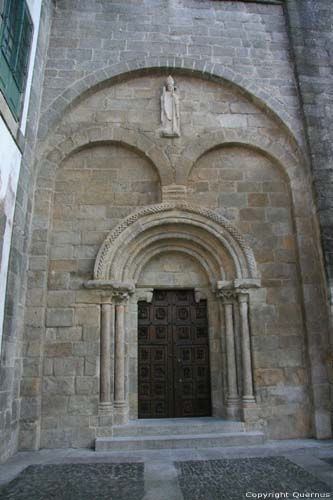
x=77 y=482
x=233 y=479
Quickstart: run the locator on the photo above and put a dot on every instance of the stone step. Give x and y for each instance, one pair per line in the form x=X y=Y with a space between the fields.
x=157 y=442
x=176 y=426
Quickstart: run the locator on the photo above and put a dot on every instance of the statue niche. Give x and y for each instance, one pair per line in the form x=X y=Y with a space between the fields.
x=169 y=110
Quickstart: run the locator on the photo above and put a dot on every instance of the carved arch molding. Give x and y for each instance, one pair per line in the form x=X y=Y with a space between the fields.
x=231 y=269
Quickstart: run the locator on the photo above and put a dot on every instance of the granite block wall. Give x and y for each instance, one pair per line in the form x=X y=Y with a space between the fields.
x=310 y=27
x=242 y=153
x=98 y=184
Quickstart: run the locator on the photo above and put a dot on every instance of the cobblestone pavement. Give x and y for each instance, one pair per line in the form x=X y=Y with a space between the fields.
x=236 y=478
x=279 y=469
x=77 y=482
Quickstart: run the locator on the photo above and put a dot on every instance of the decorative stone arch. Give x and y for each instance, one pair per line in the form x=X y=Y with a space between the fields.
x=117 y=257
x=201 y=69
x=291 y=161
x=221 y=252
x=106 y=134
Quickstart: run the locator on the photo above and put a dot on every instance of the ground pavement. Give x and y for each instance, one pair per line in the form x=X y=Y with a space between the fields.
x=283 y=469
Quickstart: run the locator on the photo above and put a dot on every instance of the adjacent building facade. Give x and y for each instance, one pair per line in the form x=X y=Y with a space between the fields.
x=171 y=249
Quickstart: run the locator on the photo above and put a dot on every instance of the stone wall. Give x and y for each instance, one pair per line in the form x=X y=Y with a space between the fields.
x=99 y=183
x=100 y=155
x=244 y=42
x=311 y=36
x=253 y=193
x=310 y=27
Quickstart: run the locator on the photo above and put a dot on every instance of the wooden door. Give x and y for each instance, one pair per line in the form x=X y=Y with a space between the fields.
x=174 y=376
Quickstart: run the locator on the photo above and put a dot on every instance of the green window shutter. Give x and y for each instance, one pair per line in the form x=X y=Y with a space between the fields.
x=15 y=43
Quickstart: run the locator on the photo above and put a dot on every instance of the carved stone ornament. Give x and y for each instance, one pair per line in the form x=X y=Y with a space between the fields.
x=170 y=117
x=116 y=290
x=114 y=238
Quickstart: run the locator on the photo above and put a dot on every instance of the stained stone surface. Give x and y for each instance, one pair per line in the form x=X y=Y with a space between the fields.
x=232 y=479
x=77 y=482
x=328 y=460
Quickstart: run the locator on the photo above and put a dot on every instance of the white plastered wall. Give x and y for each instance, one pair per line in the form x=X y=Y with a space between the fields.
x=10 y=163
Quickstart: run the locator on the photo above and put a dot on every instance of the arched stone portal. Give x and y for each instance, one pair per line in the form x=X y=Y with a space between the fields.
x=228 y=273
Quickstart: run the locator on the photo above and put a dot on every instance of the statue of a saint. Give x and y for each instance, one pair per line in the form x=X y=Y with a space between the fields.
x=169 y=110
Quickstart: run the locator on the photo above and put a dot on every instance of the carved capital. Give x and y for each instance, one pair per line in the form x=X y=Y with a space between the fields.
x=227 y=296
x=111 y=291
x=243 y=295
x=145 y=295
x=236 y=289
x=199 y=295
x=120 y=297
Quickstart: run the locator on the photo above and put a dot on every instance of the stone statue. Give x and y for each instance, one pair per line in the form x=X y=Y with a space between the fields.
x=169 y=110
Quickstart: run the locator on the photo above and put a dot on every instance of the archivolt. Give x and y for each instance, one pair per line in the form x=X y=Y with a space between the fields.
x=199 y=232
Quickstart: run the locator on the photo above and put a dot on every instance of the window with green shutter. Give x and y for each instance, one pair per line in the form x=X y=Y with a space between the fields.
x=15 y=42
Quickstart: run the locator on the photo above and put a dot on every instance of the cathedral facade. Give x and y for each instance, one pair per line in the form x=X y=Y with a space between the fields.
x=171 y=247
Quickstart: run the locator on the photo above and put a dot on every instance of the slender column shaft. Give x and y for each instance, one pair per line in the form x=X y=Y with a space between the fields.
x=119 y=388
x=231 y=355
x=248 y=396
x=105 y=356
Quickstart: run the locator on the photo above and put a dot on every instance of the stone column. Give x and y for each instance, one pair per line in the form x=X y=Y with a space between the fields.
x=107 y=332
x=232 y=390
x=120 y=404
x=248 y=394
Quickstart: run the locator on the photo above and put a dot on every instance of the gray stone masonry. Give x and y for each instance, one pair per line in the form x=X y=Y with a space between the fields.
x=311 y=35
x=245 y=42
x=82 y=193
x=93 y=156
x=310 y=25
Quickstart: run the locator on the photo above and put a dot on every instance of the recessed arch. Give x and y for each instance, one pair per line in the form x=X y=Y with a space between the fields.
x=103 y=135
x=210 y=236
x=203 y=253
x=168 y=250
x=204 y=70
x=289 y=163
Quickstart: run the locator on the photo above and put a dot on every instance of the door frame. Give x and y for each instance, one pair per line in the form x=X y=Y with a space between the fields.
x=216 y=344
x=174 y=347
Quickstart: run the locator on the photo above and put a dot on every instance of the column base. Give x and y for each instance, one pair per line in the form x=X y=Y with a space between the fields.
x=120 y=412
x=233 y=408
x=103 y=425
x=249 y=402
x=249 y=410
x=105 y=409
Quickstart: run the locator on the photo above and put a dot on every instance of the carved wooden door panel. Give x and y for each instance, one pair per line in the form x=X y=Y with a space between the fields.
x=174 y=371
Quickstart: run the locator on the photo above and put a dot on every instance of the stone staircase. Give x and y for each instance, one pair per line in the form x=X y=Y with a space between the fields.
x=155 y=434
